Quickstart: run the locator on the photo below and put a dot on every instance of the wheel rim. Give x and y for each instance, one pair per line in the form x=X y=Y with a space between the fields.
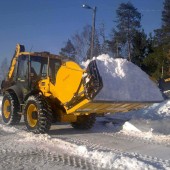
x=6 y=109
x=32 y=121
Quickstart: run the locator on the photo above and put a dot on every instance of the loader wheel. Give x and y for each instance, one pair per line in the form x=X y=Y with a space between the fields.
x=10 y=109
x=37 y=114
x=84 y=122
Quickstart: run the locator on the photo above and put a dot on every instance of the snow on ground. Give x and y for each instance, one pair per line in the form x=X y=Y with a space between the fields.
x=124 y=81
x=150 y=124
x=132 y=126
x=101 y=159
x=155 y=118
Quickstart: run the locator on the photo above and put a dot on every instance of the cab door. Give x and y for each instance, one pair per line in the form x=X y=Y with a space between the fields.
x=22 y=74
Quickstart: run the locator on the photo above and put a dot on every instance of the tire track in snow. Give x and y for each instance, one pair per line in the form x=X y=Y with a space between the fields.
x=154 y=161
x=116 y=132
x=145 y=140
x=40 y=159
x=23 y=150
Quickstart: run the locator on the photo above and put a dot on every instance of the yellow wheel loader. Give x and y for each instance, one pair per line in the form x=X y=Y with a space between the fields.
x=47 y=88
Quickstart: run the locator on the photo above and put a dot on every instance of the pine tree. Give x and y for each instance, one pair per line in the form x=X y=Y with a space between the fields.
x=140 y=45
x=158 y=61
x=128 y=23
x=166 y=38
x=68 y=50
x=166 y=22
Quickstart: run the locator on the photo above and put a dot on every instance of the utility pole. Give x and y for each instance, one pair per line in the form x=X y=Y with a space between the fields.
x=93 y=27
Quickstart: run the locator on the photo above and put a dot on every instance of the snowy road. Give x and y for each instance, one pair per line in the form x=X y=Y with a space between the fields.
x=104 y=138
x=123 y=141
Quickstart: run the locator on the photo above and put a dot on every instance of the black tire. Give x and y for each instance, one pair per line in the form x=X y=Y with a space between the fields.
x=84 y=122
x=37 y=114
x=10 y=109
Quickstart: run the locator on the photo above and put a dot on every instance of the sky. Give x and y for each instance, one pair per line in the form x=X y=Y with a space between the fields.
x=46 y=25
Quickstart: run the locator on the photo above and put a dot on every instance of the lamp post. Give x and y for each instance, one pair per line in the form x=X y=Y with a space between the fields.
x=93 y=27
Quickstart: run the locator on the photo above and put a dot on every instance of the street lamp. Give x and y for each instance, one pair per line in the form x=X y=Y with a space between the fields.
x=93 y=27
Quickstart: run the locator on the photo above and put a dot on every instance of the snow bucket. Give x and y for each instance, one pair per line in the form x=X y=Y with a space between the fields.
x=124 y=87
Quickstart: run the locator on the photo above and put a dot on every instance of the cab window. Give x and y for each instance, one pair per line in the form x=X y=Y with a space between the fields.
x=53 y=69
x=39 y=66
x=22 y=67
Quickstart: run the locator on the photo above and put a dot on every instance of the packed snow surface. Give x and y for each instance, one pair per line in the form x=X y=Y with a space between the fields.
x=42 y=151
x=124 y=81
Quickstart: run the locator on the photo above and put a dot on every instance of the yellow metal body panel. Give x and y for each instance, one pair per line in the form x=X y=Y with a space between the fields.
x=68 y=118
x=68 y=80
x=13 y=62
x=76 y=107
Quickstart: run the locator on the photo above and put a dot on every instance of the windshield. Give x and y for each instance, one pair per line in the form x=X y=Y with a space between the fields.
x=39 y=66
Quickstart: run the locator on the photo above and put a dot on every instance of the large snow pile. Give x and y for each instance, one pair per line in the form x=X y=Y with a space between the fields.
x=124 y=81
